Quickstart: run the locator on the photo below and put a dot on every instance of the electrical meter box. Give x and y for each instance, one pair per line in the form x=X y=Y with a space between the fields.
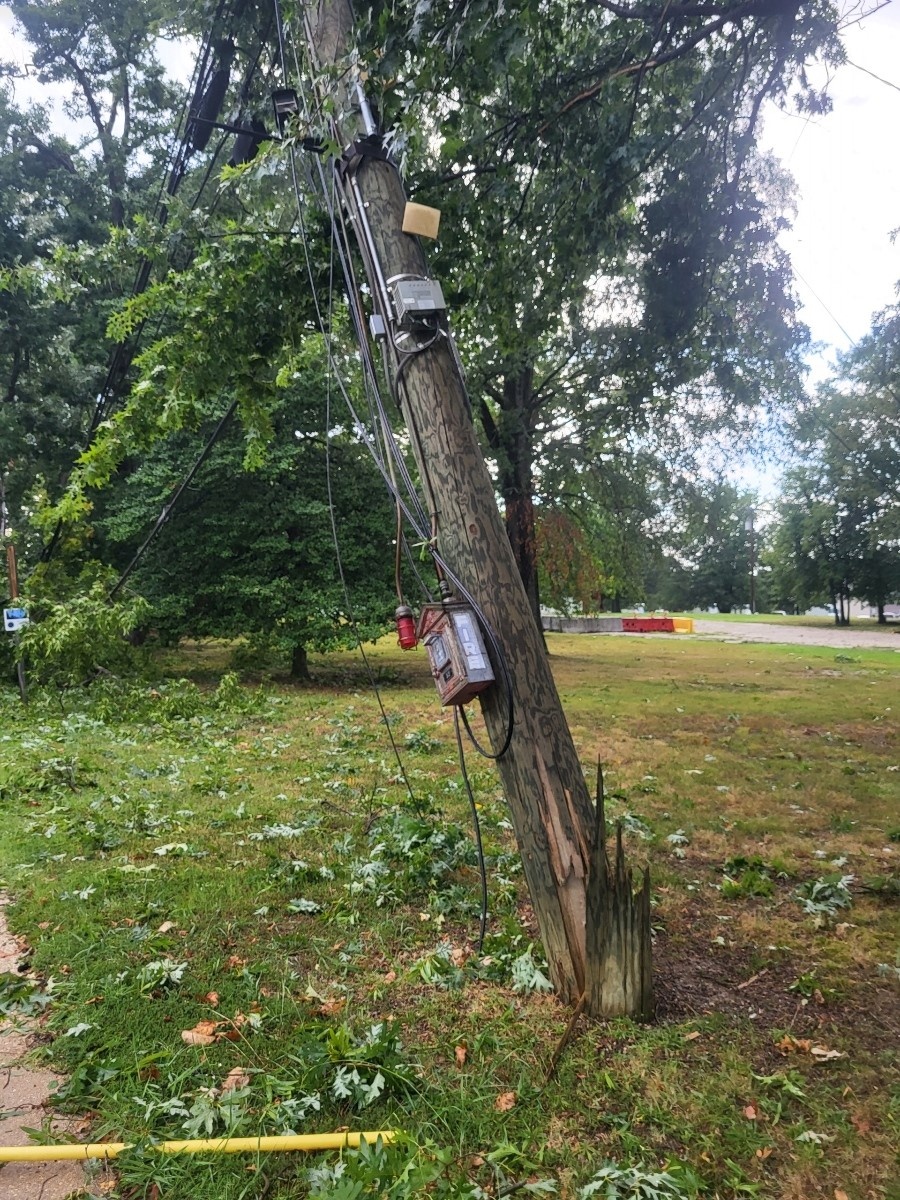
x=14 y=619
x=416 y=298
x=456 y=652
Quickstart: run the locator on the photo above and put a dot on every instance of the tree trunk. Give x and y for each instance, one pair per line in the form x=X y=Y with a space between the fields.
x=516 y=481
x=299 y=664
x=560 y=838
x=882 y=618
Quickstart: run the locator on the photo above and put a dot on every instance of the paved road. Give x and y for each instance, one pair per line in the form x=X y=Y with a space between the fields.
x=856 y=637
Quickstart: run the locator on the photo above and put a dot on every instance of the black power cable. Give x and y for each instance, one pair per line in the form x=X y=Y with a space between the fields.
x=167 y=508
x=476 y=825
x=359 y=324
x=340 y=566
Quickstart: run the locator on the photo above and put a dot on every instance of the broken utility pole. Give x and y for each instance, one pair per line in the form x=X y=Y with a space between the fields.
x=595 y=931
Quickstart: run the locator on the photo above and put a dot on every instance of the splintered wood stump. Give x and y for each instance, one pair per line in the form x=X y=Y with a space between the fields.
x=618 y=931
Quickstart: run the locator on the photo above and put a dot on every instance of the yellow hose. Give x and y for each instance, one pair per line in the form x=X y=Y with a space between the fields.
x=253 y=1145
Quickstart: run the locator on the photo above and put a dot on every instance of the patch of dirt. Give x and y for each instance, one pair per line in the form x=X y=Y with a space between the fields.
x=691 y=980
x=696 y=977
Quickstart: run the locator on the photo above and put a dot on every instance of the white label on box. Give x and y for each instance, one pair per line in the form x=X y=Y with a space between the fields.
x=469 y=640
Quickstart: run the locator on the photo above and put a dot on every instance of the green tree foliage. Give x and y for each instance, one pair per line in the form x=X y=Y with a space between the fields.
x=708 y=549
x=815 y=544
x=607 y=489
x=51 y=349
x=63 y=269
x=249 y=549
x=609 y=232
x=840 y=514
x=226 y=323
x=608 y=238
x=250 y=553
x=58 y=197
x=107 y=55
x=72 y=640
x=572 y=578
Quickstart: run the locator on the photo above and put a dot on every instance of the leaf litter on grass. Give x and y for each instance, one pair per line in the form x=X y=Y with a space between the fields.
x=626 y=1104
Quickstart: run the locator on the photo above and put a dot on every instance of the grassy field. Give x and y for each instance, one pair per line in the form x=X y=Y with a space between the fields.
x=242 y=921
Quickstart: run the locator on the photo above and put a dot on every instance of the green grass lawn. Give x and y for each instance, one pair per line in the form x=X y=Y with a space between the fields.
x=248 y=868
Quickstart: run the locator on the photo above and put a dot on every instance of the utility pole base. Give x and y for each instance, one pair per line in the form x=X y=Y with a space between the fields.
x=618 y=956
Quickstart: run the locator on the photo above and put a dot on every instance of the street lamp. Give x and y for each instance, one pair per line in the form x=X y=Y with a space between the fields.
x=749 y=527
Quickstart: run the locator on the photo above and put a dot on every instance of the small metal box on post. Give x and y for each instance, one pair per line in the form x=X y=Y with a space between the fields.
x=14 y=619
x=456 y=651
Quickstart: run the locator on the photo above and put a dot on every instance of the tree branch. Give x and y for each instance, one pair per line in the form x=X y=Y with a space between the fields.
x=670 y=12
x=491 y=432
x=731 y=16
x=93 y=106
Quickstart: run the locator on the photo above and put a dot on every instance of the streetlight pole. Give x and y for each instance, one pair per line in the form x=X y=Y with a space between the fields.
x=751 y=531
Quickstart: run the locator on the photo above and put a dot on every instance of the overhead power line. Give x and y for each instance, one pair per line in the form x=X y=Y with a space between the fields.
x=175 y=167
x=167 y=508
x=817 y=297
x=880 y=78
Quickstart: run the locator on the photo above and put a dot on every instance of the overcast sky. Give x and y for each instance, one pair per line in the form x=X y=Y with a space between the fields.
x=847 y=168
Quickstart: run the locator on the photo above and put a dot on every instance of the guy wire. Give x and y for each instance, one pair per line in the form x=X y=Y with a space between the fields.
x=333 y=373
x=336 y=214
x=419 y=524
x=334 y=531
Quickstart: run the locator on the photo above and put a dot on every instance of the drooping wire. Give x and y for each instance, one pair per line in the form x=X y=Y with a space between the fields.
x=326 y=334
x=343 y=248
x=173 y=172
x=166 y=511
x=177 y=158
x=336 y=215
x=411 y=505
x=169 y=506
x=441 y=565
x=476 y=825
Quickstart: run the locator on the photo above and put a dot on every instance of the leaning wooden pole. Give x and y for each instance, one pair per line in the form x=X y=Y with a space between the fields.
x=559 y=835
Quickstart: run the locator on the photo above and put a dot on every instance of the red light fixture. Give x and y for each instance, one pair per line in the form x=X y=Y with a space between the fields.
x=406 y=627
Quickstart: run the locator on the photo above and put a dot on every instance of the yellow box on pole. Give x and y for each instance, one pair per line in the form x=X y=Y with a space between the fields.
x=421 y=220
